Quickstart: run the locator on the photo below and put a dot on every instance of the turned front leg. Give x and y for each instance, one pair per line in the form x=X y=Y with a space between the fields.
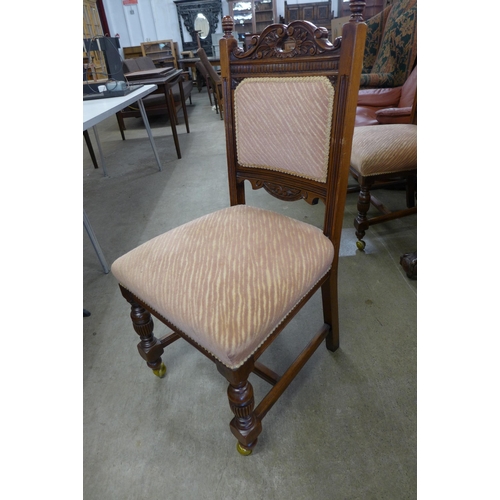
x=149 y=347
x=245 y=426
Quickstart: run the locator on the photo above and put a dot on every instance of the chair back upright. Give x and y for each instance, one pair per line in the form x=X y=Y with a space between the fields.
x=204 y=73
x=214 y=76
x=289 y=111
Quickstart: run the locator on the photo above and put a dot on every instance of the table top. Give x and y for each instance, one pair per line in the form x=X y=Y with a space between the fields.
x=192 y=60
x=151 y=73
x=97 y=110
x=170 y=78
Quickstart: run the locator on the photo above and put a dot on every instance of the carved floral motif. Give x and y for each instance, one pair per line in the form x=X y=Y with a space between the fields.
x=285 y=193
x=284 y=41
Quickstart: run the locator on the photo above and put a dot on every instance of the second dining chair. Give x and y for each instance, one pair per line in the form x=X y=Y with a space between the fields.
x=215 y=79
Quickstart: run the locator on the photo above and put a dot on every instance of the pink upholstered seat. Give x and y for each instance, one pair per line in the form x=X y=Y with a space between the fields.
x=189 y=276
x=384 y=149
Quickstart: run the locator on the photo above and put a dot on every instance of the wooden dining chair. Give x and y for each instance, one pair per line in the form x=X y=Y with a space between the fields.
x=200 y=67
x=214 y=77
x=229 y=282
x=383 y=156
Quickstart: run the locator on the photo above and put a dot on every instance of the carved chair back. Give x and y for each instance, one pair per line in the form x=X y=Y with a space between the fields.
x=290 y=103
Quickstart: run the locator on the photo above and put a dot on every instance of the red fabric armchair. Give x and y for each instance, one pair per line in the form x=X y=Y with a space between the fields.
x=387 y=105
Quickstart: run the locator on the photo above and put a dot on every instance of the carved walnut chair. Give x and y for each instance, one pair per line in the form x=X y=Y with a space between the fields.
x=380 y=156
x=229 y=282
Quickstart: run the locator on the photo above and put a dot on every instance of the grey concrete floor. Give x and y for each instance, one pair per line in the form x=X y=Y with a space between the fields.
x=344 y=429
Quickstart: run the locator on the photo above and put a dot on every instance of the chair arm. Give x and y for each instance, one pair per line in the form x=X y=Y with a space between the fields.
x=379 y=98
x=393 y=115
x=377 y=80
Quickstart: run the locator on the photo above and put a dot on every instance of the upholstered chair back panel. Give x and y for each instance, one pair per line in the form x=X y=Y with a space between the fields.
x=270 y=140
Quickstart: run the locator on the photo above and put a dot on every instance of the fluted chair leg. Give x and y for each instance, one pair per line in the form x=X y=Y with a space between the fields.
x=149 y=347
x=245 y=425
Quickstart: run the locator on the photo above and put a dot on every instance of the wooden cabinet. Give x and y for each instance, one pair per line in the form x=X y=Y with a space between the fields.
x=372 y=8
x=162 y=52
x=252 y=16
x=318 y=13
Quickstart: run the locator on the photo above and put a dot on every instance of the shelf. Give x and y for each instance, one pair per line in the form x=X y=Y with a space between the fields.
x=160 y=51
x=261 y=14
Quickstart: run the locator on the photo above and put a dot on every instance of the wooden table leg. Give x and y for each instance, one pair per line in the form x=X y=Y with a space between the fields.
x=90 y=148
x=183 y=101
x=171 y=117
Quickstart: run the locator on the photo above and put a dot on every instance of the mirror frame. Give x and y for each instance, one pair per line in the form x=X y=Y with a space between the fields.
x=201 y=16
x=187 y=11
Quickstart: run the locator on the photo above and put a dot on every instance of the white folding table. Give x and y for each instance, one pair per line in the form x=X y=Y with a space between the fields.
x=97 y=110
x=94 y=112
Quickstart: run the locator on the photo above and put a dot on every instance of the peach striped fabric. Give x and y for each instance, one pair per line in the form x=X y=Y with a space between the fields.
x=294 y=134
x=228 y=279
x=383 y=149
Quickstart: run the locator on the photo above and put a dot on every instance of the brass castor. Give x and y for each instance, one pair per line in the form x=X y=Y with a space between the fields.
x=360 y=244
x=161 y=371
x=243 y=450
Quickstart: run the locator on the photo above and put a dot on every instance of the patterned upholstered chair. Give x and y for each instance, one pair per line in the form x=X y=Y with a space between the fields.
x=229 y=282
x=391 y=45
x=381 y=155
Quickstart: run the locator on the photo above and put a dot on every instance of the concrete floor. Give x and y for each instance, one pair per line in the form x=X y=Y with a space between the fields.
x=344 y=429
